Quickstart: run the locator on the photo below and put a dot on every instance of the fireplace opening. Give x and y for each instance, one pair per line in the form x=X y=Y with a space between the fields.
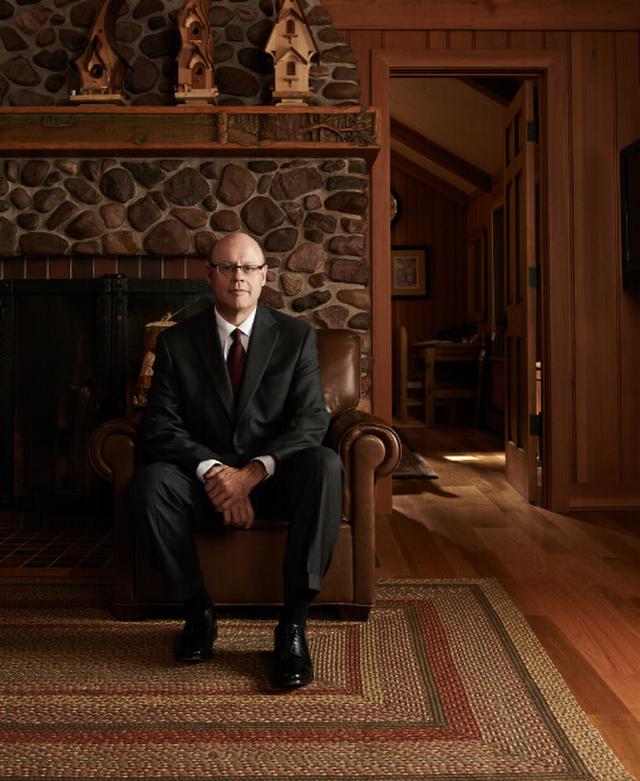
x=70 y=354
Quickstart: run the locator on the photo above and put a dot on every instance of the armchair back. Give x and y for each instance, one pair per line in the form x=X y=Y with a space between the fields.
x=339 y=354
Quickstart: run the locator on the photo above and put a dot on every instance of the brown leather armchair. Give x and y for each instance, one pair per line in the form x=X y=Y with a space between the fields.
x=244 y=567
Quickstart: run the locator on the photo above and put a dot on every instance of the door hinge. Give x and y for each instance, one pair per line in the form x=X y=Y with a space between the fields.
x=533 y=276
x=532 y=130
x=535 y=425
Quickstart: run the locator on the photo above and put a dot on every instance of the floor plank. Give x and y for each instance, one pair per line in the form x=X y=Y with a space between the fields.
x=575 y=577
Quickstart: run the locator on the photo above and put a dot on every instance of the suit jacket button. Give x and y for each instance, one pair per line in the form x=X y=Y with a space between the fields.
x=239 y=451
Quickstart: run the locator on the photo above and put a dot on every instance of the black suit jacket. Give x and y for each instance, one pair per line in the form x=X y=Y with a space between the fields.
x=191 y=415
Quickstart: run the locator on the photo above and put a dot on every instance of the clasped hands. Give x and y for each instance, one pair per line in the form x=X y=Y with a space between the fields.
x=228 y=489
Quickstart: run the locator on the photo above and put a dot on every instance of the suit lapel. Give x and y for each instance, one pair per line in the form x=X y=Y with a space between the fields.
x=264 y=337
x=208 y=347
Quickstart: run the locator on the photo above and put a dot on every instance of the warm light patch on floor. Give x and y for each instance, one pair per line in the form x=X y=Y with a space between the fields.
x=473 y=457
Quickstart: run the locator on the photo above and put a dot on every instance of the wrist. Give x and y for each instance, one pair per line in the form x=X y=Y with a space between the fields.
x=212 y=471
x=257 y=471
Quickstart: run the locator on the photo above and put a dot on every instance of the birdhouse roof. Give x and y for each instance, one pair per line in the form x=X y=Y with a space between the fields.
x=102 y=51
x=191 y=53
x=287 y=9
x=196 y=8
x=197 y=56
x=285 y=13
x=291 y=53
x=94 y=57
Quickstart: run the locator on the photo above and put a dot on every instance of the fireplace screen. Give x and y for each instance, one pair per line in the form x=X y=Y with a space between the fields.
x=69 y=356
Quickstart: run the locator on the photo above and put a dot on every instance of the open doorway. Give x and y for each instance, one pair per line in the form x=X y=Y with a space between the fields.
x=465 y=305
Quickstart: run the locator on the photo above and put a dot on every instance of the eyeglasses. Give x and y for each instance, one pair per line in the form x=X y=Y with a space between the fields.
x=229 y=269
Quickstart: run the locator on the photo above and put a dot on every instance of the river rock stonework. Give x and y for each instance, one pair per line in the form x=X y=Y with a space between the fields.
x=120 y=208
x=39 y=41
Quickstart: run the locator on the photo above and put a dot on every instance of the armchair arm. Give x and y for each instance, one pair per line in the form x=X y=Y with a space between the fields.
x=112 y=448
x=352 y=424
x=369 y=449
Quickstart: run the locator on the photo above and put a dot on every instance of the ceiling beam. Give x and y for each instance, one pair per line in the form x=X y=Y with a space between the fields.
x=484 y=89
x=439 y=155
x=429 y=179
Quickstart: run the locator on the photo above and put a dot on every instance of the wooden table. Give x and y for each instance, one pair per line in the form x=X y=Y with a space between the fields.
x=435 y=352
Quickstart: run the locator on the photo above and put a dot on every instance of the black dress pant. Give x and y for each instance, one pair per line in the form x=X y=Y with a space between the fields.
x=306 y=490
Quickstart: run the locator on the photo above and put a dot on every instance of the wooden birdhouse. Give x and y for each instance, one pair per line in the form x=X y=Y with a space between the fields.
x=292 y=47
x=101 y=68
x=196 y=80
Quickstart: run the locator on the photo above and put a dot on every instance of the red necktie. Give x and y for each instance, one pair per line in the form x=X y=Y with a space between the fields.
x=235 y=361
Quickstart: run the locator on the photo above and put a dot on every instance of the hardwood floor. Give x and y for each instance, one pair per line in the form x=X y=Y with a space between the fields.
x=576 y=577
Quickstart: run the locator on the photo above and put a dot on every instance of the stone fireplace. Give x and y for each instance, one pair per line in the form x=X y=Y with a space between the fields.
x=309 y=216
x=119 y=197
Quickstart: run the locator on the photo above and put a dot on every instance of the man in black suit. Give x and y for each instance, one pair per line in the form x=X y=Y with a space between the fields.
x=234 y=426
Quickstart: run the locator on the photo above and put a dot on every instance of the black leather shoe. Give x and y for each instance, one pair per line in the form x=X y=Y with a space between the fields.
x=199 y=633
x=293 y=665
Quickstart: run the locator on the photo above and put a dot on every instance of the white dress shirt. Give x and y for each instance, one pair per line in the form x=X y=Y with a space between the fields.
x=225 y=329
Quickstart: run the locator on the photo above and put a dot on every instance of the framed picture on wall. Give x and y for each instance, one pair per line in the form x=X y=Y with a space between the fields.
x=410 y=271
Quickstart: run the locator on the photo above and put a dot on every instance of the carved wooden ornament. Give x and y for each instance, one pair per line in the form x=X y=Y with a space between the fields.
x=145 y=376
x=101 y=68
x=292 y=47
x=196 y=80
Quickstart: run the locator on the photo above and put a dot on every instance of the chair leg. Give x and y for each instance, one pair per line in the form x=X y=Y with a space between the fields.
x=429 y=382
x=481 y=359
x=402 y=376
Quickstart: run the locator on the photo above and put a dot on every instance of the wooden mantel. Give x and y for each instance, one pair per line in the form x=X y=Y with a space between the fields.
x=214 y=131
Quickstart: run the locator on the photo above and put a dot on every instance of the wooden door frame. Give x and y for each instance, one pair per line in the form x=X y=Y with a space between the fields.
x=550 y=69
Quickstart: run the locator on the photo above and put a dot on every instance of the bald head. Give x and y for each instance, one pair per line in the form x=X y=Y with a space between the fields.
x=236 y=248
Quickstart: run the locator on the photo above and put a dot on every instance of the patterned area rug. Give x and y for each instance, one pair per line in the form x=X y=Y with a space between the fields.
x=445 y=681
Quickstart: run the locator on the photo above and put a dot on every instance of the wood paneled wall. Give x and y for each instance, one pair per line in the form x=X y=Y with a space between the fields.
x=503 y=15
x=429 y=217
x=594 y=330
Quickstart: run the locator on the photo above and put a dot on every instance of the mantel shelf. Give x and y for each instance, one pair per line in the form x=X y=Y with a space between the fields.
x=220 y=131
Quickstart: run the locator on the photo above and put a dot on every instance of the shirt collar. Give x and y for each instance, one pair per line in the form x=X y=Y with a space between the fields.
x=225 y=328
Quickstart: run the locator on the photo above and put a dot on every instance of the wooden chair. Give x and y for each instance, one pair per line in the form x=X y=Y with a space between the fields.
x=439 y=391
x=409 y=392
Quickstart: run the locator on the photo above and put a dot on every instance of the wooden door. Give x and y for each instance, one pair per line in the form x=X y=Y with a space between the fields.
x=521 y=441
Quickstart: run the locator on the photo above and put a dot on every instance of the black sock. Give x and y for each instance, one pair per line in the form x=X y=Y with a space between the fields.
x=295 y=609
x=198 y=603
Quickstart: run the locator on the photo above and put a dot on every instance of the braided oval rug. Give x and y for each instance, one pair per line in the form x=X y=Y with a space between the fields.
x=445 y=681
